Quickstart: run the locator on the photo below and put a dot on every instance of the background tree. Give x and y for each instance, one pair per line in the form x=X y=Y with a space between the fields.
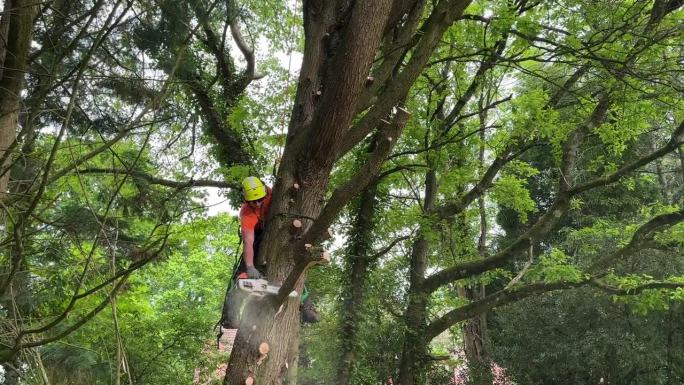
x=490 y=134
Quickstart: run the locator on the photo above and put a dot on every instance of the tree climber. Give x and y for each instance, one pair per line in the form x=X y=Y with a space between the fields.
x=253 y=214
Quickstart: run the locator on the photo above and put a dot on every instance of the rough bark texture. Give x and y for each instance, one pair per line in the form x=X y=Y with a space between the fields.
x=20 y=30
x=307 y=161
x=475 y=329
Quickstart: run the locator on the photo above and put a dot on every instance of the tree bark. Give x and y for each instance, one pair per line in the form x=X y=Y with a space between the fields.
x=20 y=31
x=307 y=161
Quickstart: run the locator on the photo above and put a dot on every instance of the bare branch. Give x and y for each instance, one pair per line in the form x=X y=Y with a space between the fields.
x=430 y=34
x=246 y=50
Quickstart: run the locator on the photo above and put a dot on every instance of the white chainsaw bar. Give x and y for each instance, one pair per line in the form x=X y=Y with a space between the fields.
x=261 y=287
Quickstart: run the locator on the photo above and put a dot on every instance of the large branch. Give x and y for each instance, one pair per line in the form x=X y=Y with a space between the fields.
x=319 y=18
x=160 y=181
x=676 y=140
x=397 y=42
x=349 y=68
x=430 y=33
x=504 y=297
x=641 y=239
x=387 y=138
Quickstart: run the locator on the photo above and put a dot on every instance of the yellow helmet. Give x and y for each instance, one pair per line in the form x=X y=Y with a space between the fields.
x=253 y=188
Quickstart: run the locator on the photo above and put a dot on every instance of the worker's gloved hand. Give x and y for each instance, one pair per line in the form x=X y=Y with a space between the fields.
x=253 y=273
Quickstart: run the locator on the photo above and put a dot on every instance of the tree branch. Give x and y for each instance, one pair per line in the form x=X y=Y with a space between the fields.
x=640 y=240
x=159 y=181
x=349 y=72
x=387 y=138
x=504 y=297
x=676 y=140
x=246 y=50
x=430 y=34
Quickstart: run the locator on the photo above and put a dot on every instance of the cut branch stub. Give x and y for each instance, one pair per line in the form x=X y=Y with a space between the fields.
x=249 y=380
x=296 y=226
x=295 y=186
x=264 y=348
x=316 y=255
x=403 y=111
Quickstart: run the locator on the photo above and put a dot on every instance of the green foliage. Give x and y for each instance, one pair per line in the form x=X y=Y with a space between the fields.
x=555 y=266
x=509 y=191
x=108 y=212
x=581 y=336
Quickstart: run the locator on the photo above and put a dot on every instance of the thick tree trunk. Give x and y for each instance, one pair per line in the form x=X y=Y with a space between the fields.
x=310 y=153
x=20 y=30
x=414 y=354
x=358 y=261
x=4 y=31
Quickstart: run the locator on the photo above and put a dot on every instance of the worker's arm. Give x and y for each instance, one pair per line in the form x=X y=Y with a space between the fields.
x=248 y=254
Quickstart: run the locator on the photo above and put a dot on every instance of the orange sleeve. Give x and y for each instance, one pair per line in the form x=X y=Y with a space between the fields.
x=248 y=220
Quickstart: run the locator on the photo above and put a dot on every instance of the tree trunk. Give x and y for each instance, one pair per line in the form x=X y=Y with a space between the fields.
x=475 y=332
x=310 y=153
x=414 y=354
x=358 y=260
x=20 y=30
x=4 y=31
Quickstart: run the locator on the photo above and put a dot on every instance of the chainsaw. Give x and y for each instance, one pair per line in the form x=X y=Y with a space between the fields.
x=261 y=287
